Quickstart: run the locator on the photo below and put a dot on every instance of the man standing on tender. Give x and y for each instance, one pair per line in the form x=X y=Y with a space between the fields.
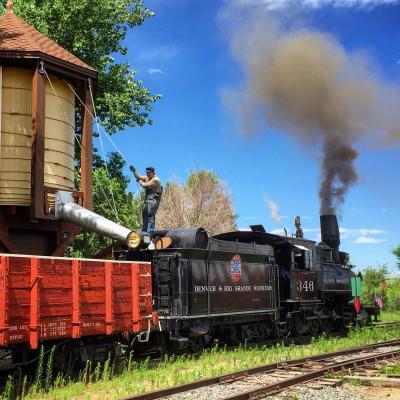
x=153 y=191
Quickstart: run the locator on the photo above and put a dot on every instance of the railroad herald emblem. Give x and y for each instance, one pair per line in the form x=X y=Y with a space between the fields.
x=236 y=267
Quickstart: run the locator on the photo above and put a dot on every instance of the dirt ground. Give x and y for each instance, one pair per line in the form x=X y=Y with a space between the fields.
x=375 y=392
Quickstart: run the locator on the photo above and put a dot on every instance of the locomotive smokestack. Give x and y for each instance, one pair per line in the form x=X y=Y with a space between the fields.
x=330 y=234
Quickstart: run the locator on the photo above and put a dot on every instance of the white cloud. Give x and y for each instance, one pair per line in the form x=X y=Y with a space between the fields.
x=249 y=218
x=368 y=240
x=365 y=232
x=280 y=4
x=345 y=233
x=311 y=230
x=162 y=53
x=357 y=235
x=153 y=71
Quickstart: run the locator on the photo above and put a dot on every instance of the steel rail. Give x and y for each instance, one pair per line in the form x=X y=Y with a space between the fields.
x=310 y=376
x=226 y=378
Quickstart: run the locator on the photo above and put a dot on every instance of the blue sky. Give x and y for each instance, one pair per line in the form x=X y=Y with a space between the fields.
x=183 y=53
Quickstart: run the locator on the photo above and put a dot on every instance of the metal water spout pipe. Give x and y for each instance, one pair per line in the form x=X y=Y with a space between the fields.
x=67 y=210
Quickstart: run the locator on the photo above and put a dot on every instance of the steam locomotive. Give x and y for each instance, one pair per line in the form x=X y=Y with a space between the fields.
x=247 y=285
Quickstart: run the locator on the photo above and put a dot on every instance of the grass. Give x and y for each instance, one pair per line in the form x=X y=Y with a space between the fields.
x=393 y=370
x=355 y=382
x=99 y=382
x=389 y=316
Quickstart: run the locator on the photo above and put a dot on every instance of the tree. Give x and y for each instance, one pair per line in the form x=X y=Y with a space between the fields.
x=393 y=295
x=372 y=281
x=202 y=201
x=94 y=31
x=112 y=200
x=396 y=252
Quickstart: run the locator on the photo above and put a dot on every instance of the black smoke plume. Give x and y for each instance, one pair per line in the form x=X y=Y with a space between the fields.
x=305 y=84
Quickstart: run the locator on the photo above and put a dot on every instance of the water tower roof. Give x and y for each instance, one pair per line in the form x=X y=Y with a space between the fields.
x=20 y=40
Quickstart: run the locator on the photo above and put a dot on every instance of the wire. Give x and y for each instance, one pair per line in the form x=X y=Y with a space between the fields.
x=112 y=206
x=102 y=148
x=95 y=118
x=99 y=126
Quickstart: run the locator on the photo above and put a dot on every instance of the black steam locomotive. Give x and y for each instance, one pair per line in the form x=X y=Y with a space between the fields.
x=248 y=285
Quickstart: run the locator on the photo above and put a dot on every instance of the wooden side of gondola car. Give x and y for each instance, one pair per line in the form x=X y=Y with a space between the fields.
x=47 y=298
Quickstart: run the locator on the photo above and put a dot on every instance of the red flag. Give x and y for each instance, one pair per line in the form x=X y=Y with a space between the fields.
x=357 y=304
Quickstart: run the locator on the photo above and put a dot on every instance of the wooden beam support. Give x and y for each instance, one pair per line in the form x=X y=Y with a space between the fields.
x=38 y=138
x=34 y=326
x=108 y=283
x=87 y=152
x=66 y=242
x=4 y=238
x=4 y=298
x=76 y=303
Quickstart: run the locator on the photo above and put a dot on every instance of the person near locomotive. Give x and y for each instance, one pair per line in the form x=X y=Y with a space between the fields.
x=152 y=196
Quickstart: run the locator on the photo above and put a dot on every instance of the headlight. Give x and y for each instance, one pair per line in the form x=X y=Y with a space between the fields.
x=133 y=240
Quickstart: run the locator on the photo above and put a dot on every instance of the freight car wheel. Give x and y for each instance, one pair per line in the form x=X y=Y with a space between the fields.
x=66 y=359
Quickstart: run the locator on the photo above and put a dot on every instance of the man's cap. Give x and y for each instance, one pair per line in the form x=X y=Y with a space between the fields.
x=150 y=169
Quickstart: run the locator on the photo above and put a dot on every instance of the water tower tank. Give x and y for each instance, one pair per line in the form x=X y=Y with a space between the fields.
x=36 y=140
x=16 y=136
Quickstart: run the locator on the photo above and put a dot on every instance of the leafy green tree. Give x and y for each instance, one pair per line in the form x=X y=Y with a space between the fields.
x=396 y=252
x=393 y=295
x=94 y=31
x=372 y=281
x=112 y=200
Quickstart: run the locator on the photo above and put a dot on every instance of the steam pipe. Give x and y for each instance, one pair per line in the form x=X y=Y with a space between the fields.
x=67 y=210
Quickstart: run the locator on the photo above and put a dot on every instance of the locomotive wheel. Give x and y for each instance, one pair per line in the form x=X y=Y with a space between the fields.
x=197 y=344
x=234 y=335
x=326 y=323
x=314 y=326
x=301 y=326
x=286 y=330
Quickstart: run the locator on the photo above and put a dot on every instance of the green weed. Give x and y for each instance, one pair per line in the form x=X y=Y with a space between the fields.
x=139 y=377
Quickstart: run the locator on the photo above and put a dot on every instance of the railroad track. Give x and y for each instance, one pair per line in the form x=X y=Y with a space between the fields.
x=259 y=382
x=384 y=324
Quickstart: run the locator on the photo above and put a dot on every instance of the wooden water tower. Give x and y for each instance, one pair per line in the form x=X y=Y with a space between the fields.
x=37 y=145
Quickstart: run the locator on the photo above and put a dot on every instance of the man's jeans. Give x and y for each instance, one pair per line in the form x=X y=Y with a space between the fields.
x=149 y=217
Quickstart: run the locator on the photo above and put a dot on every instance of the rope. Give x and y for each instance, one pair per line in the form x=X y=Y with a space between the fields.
x=95 y=118
x=102 y=148
x=100 y=128
x=112 y=206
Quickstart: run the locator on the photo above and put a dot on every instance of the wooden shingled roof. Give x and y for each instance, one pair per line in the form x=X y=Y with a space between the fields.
x=21 y=40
